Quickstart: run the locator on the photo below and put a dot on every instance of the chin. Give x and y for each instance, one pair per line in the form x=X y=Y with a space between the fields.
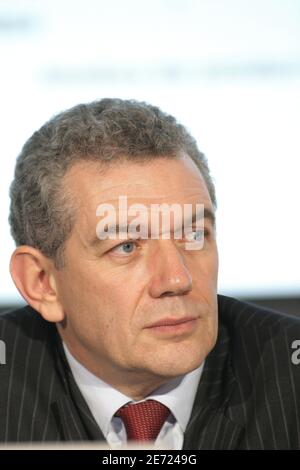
x=179 y=362
x=172 y=357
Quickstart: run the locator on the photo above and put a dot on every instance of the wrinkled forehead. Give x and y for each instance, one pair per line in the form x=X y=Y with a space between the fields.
x=155 y=180
x=160 y=181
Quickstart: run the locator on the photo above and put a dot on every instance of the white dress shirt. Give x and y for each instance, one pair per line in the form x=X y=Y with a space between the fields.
x=104 y=401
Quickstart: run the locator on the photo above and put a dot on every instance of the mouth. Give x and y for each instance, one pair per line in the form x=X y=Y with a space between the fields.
x=174 y=326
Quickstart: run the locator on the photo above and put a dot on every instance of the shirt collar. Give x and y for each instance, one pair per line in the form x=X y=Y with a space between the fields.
x=103 y=400
x=179 y=394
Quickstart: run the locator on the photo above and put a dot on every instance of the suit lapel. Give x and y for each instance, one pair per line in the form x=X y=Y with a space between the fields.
x=71 y=412
x=75 y=422
x=210 y=426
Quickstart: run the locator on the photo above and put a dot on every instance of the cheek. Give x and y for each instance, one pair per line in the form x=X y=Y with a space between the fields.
x=211 y=267
x=97 y=306
x=84 y=285
x=204 y=272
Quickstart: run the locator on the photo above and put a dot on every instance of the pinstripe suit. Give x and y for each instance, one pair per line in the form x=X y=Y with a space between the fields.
x=248 y=397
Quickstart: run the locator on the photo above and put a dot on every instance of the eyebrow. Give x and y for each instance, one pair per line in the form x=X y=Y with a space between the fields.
x=208 y=214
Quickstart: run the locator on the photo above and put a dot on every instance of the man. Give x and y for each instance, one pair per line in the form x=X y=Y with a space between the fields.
x=124 y=337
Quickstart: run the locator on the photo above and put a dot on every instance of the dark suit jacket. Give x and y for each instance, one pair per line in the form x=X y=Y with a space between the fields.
x=248 y=396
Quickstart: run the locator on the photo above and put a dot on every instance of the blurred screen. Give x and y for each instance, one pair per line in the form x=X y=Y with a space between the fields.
x=227 y=69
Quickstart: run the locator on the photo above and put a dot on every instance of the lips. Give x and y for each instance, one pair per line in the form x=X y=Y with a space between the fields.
x=172 y=322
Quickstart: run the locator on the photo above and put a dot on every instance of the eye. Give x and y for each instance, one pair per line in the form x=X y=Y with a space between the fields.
x=124 y=248
x=195 y=235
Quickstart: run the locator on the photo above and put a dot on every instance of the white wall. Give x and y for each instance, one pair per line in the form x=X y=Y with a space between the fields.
x=229 y=70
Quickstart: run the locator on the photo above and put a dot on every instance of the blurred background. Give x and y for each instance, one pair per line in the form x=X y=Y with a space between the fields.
x=227 y=69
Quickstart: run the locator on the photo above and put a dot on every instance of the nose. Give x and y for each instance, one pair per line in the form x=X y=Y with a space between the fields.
x=170 y=275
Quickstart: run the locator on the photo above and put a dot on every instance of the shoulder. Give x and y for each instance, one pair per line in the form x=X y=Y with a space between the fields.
x=250 y=319
x=29 y=377
x=259 y=335
x=22 y=326
x=27 y=345
x=265 y=361
x=264 y=344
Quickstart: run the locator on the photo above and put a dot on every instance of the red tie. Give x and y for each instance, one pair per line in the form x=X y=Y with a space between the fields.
x=144 y=420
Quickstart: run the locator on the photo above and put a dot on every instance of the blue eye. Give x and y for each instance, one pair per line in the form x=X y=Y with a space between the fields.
x=199 y=234
x=126 y=248
x=195 y=235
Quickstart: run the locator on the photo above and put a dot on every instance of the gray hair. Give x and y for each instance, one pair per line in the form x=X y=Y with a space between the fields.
x=106 y=131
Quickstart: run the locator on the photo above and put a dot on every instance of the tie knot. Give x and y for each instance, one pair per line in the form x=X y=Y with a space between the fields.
x=144 y=420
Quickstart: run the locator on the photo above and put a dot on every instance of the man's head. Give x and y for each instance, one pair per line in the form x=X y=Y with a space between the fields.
x=108 y=296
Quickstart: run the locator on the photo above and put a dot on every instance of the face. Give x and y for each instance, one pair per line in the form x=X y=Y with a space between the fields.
x=143 y=308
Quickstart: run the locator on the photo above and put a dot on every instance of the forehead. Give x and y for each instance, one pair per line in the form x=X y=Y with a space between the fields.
x=156 y=181
x=169 y=181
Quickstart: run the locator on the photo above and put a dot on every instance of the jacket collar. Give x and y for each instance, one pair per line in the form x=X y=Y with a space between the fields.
x=211 y=426
x=70 y=410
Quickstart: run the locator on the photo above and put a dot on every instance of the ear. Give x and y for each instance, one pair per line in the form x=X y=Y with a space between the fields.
x=33 y=275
